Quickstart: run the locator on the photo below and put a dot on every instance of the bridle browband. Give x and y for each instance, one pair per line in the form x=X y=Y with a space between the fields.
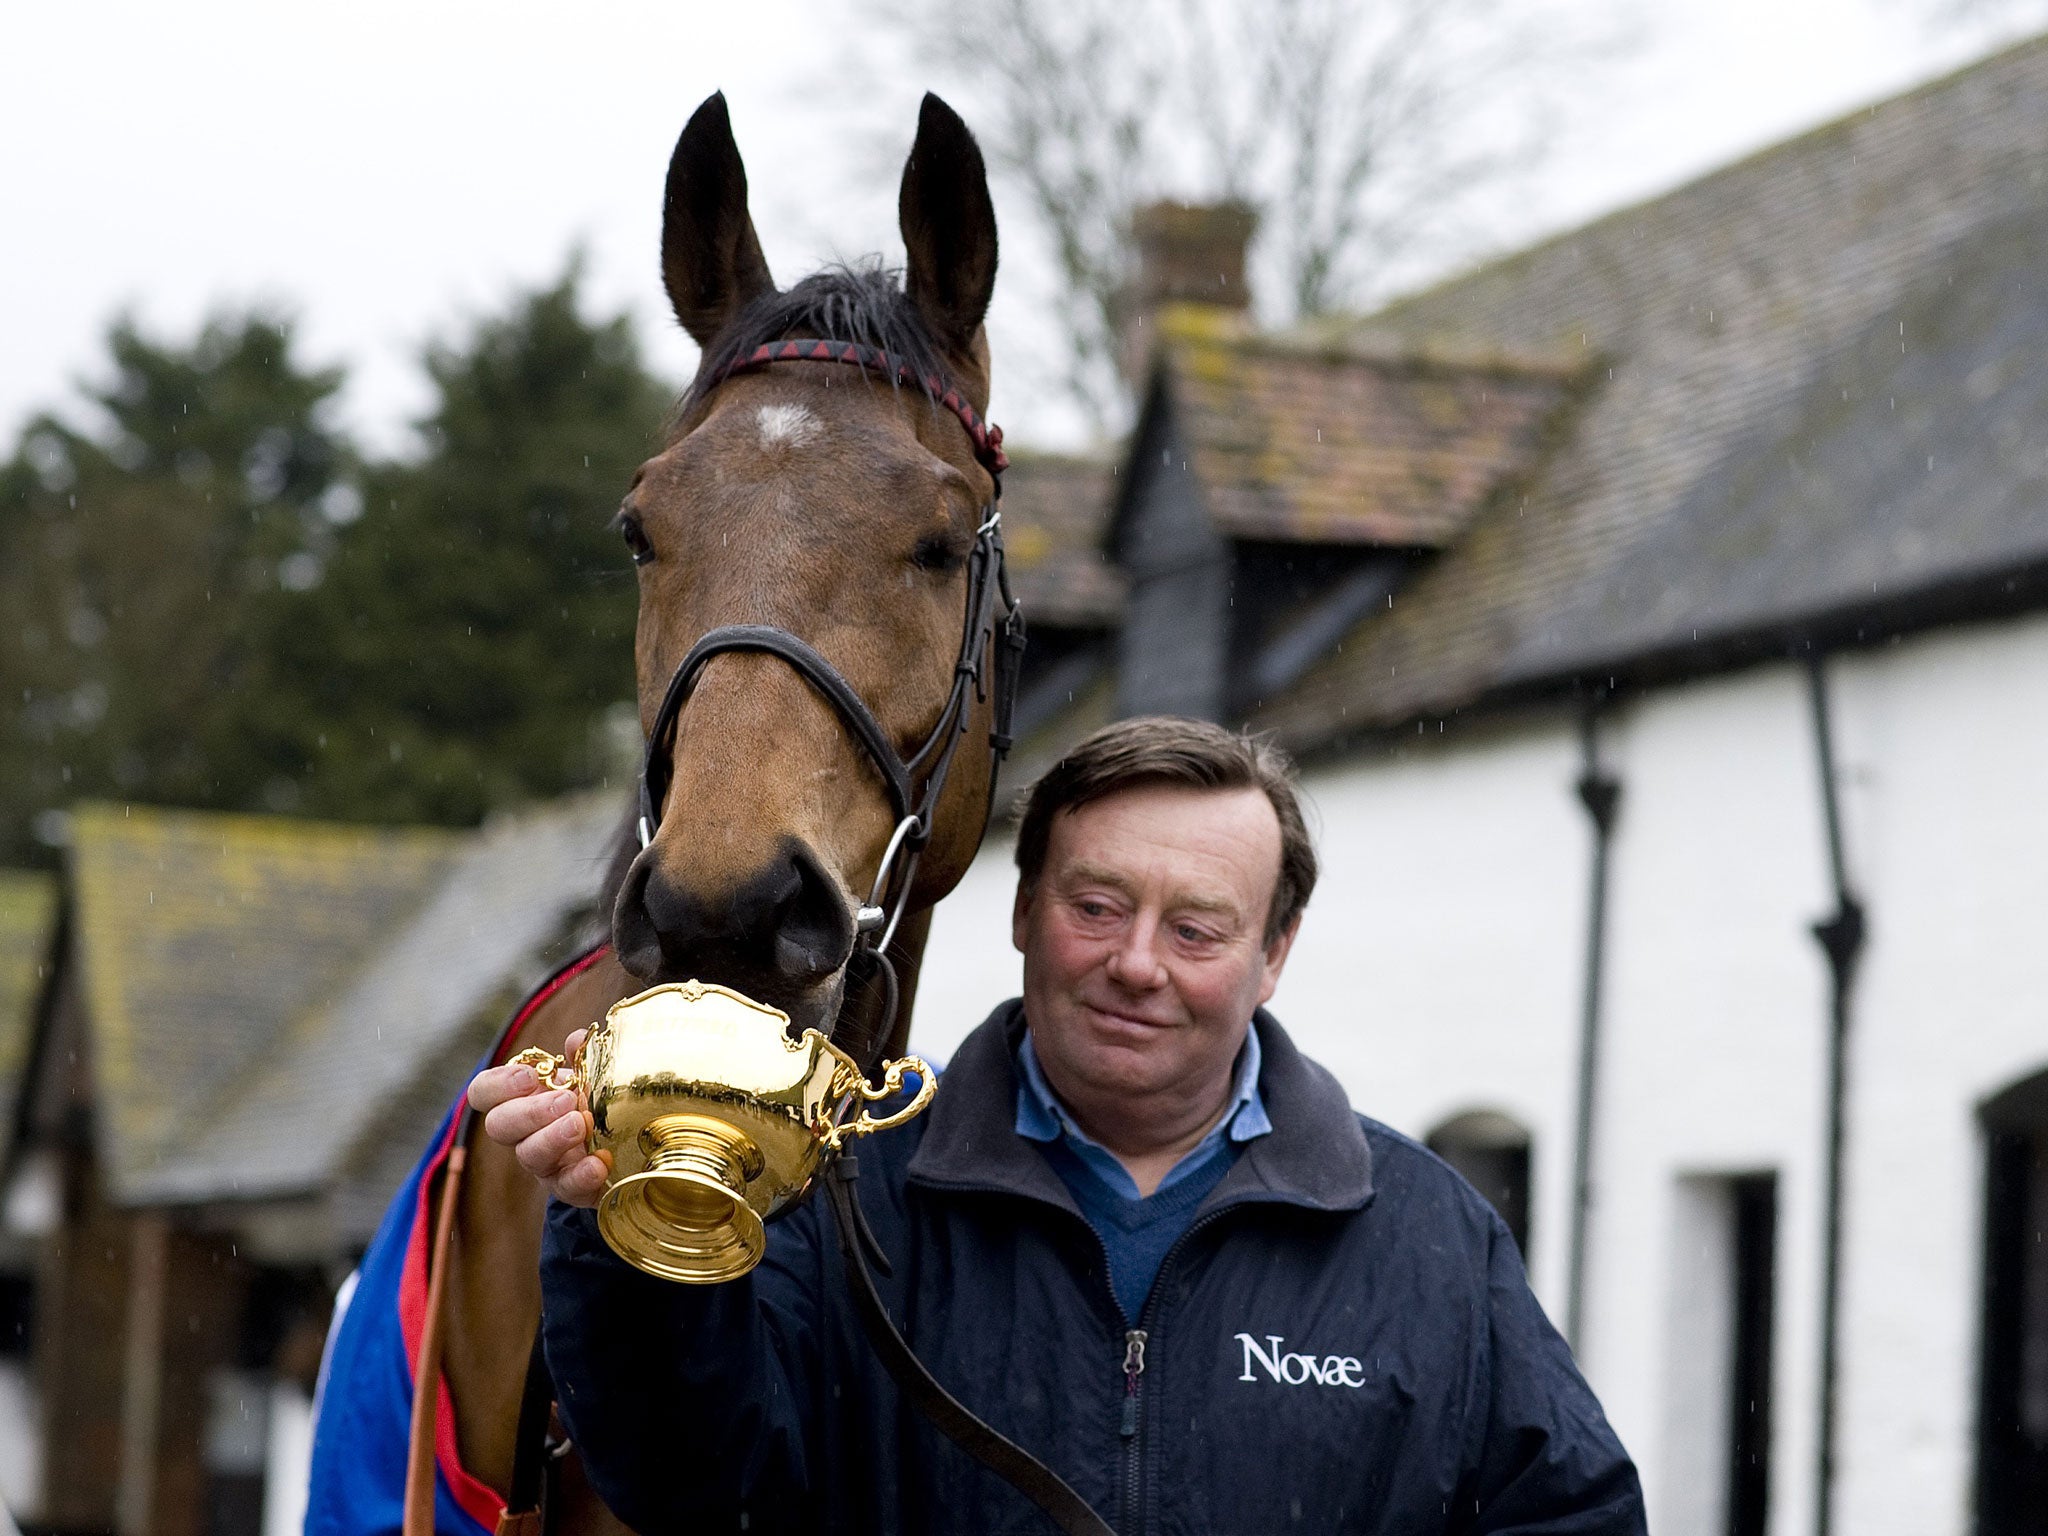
x=986 y=581
x=988 y=438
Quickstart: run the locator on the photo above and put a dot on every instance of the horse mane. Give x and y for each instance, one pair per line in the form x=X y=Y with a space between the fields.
x=862 y=303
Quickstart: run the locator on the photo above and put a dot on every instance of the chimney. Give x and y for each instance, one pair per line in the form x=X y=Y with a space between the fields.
x=1188 y=254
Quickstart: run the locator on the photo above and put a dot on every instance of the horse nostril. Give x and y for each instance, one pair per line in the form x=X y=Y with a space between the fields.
x=814 y=933
x=784 y=929
x=636 y=939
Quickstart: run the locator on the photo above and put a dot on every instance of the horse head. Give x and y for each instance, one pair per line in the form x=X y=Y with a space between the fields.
x=847 y=509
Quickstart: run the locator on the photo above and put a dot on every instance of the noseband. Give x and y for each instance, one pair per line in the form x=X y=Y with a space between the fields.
x=986 y=580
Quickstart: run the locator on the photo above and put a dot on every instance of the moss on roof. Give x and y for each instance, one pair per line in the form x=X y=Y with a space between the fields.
x=1054 y=511
x=28 y=919
x=200 y=937
x=1336 y=440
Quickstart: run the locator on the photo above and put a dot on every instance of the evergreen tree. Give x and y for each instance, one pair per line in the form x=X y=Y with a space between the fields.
x=210 y=599
x=134 y=558
x=469 y=644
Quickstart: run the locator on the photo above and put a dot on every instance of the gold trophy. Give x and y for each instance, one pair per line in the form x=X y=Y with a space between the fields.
x=716 y=1122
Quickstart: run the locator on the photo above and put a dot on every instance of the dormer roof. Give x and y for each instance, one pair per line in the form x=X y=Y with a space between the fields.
x=1347 y=438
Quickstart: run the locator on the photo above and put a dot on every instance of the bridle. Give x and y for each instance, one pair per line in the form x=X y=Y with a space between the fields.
x=877 y=918
x=987 y=580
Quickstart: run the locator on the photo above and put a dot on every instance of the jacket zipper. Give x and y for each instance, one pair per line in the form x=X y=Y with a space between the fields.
x=1135 y=1341
x=1130 y=1425
x=1134 y=1367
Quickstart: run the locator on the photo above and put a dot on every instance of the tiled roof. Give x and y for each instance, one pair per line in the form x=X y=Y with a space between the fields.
x=28 y=916
x=200 y=937
x=1054 y=509
x=1899 y=470
x=260 y=990
x=1718 y=479
x=1351 y=439
x=424 y=1004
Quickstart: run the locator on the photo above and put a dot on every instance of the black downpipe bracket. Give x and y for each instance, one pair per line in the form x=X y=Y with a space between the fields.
x=1600 y=794
x=1841 y=937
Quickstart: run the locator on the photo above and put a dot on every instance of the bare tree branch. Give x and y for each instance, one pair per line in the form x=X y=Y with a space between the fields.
x=1366 y=133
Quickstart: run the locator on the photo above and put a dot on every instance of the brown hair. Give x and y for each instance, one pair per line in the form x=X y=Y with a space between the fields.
x=1171 y=749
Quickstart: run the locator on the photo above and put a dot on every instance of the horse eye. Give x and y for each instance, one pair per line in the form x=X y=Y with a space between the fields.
x=936 y=553
x=635 y=537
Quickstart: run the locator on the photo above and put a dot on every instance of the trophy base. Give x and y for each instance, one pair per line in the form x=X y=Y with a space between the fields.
x=685 y=1216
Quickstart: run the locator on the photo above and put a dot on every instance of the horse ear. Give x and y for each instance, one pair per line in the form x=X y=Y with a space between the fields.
x=711 y=259
x=949 y=226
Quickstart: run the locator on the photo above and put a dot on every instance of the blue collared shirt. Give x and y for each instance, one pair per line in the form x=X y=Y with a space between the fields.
x=1041 y=1117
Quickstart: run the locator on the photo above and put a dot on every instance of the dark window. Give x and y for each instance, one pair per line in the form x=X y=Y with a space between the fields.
x=1491 y=1151
x=17 y=1314
x=1755 y=1199
x=2012 y=1434
x=234 y=1504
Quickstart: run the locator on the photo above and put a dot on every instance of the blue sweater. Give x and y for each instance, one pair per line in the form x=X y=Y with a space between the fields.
x=1138 y=1234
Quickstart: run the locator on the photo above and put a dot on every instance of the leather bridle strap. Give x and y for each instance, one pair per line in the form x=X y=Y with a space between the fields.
x=987 y=579
x=983 y=651
x=946 y=1413
x=986 y=435
x=813 y=668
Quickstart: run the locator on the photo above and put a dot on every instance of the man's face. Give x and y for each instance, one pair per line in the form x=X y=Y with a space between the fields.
x=1144 y=941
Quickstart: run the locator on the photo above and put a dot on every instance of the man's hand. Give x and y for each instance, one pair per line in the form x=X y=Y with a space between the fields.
x=543 y=1127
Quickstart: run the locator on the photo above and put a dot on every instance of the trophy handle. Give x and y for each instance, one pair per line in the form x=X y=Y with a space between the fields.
x=552 y=1070
x=865 y=1124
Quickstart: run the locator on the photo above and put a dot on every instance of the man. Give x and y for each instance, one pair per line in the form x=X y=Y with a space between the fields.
x=1137 y=1231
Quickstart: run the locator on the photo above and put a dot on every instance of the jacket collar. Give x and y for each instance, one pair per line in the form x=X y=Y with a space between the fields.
x=1316 y=1155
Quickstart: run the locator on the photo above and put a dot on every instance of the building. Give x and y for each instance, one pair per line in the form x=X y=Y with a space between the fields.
x=1659 y=612
x=28 y=918
x=243 y=1031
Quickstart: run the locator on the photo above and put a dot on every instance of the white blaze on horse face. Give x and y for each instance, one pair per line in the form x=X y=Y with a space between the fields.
x=788 y=426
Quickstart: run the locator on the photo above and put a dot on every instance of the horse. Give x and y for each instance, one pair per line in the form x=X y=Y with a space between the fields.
x=846 y=509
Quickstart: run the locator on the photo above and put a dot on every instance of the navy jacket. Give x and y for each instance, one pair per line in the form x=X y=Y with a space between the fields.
x=1343 y=1341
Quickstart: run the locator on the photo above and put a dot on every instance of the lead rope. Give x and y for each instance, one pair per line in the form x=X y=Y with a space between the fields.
x=943 y=1411
x=426 y=1383
x=525 y=1511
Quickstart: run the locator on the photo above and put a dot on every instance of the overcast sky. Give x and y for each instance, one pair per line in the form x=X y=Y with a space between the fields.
x=386 y=169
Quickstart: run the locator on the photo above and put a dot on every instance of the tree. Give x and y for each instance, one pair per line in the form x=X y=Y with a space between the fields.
x=133 y=556
x=1365 y=133
x=212 y=599
x=469 y=642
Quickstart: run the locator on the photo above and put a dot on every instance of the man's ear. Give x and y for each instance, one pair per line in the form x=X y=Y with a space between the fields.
x=1020 y=915
x=1276 y=959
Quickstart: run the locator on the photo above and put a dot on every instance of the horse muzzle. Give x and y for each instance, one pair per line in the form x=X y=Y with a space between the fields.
x=782 y=933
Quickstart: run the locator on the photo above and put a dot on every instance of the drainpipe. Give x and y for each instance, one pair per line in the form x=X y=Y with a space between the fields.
x=1841 y=937
x=1600 y=794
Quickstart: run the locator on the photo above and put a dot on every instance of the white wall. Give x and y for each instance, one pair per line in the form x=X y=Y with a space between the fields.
x=1948 y=739
x=1440 y=969
x=969 y=964
x=1692 y=1496
x=20 y=1443
x=288 y=1460
x=1716 y=1046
